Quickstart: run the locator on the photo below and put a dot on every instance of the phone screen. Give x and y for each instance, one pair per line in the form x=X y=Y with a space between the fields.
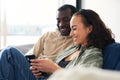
x=29 y=57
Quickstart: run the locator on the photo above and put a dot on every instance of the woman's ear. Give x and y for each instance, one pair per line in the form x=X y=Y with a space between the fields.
x=90 y=29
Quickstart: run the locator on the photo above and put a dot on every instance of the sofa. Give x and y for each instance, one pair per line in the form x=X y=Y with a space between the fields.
x=24 y=48
x=111 y=57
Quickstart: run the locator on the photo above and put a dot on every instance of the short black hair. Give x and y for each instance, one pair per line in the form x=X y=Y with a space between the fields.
x=67 y=6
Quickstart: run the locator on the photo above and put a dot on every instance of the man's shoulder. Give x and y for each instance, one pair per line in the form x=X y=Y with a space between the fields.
x=51 y=33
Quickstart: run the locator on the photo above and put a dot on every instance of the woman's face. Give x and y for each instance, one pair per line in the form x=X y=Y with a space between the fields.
x=79 y=31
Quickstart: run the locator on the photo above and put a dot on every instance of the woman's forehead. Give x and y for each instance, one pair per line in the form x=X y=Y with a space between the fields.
x=76 y=19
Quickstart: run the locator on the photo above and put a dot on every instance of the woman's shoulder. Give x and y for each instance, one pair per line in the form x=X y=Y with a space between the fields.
x=93 y=50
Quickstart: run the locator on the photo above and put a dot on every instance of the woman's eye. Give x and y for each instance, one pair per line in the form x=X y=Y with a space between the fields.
x=73 y=28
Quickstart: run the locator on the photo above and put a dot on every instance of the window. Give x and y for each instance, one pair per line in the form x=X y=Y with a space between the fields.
x=24 y=21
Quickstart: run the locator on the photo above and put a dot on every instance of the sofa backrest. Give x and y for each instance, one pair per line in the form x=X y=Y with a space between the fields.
x=111 y=57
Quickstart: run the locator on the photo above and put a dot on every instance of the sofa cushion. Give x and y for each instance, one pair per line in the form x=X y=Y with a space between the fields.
x=24 y=48
x=111 y=57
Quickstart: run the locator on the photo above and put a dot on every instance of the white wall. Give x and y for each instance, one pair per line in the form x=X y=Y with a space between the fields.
x=109 y=11
x=72 y=2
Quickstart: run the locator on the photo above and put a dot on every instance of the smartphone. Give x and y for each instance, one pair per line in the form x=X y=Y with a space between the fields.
x=29 y=57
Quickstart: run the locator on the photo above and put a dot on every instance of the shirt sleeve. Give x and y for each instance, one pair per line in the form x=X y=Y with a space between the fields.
x=38 y=47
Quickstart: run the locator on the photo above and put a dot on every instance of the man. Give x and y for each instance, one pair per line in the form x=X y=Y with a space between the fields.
x=13 y=64
x=53 y=43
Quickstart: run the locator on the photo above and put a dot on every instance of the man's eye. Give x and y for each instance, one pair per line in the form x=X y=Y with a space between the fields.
x=66 y=19
x=58 y=21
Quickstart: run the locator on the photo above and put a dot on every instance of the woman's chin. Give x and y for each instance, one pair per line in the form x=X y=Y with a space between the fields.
x=75 y=43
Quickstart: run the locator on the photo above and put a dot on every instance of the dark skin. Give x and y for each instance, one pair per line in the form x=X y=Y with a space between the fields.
x=63 y=22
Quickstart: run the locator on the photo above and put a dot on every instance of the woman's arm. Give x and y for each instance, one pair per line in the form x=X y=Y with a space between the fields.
x=43 y=65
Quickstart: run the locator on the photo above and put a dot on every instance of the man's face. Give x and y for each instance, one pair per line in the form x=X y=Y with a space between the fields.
x=63 y=22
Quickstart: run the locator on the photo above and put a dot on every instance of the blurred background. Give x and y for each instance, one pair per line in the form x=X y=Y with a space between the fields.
x=24 y=21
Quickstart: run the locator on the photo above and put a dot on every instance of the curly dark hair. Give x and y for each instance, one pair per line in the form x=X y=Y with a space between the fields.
x=100 y=35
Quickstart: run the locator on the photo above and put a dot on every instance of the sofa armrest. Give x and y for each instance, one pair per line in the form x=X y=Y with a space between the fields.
x=24 y=48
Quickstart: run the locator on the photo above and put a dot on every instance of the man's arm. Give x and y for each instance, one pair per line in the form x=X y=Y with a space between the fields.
x=38 y=46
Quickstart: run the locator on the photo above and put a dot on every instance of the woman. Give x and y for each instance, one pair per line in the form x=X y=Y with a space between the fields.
x=90 y=36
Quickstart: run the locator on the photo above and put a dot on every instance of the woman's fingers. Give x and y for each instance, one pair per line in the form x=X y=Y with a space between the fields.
x=36 y=72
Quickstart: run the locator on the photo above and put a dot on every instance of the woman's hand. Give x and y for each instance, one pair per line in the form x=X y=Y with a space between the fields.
x=35 y=71
x=44 y=65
